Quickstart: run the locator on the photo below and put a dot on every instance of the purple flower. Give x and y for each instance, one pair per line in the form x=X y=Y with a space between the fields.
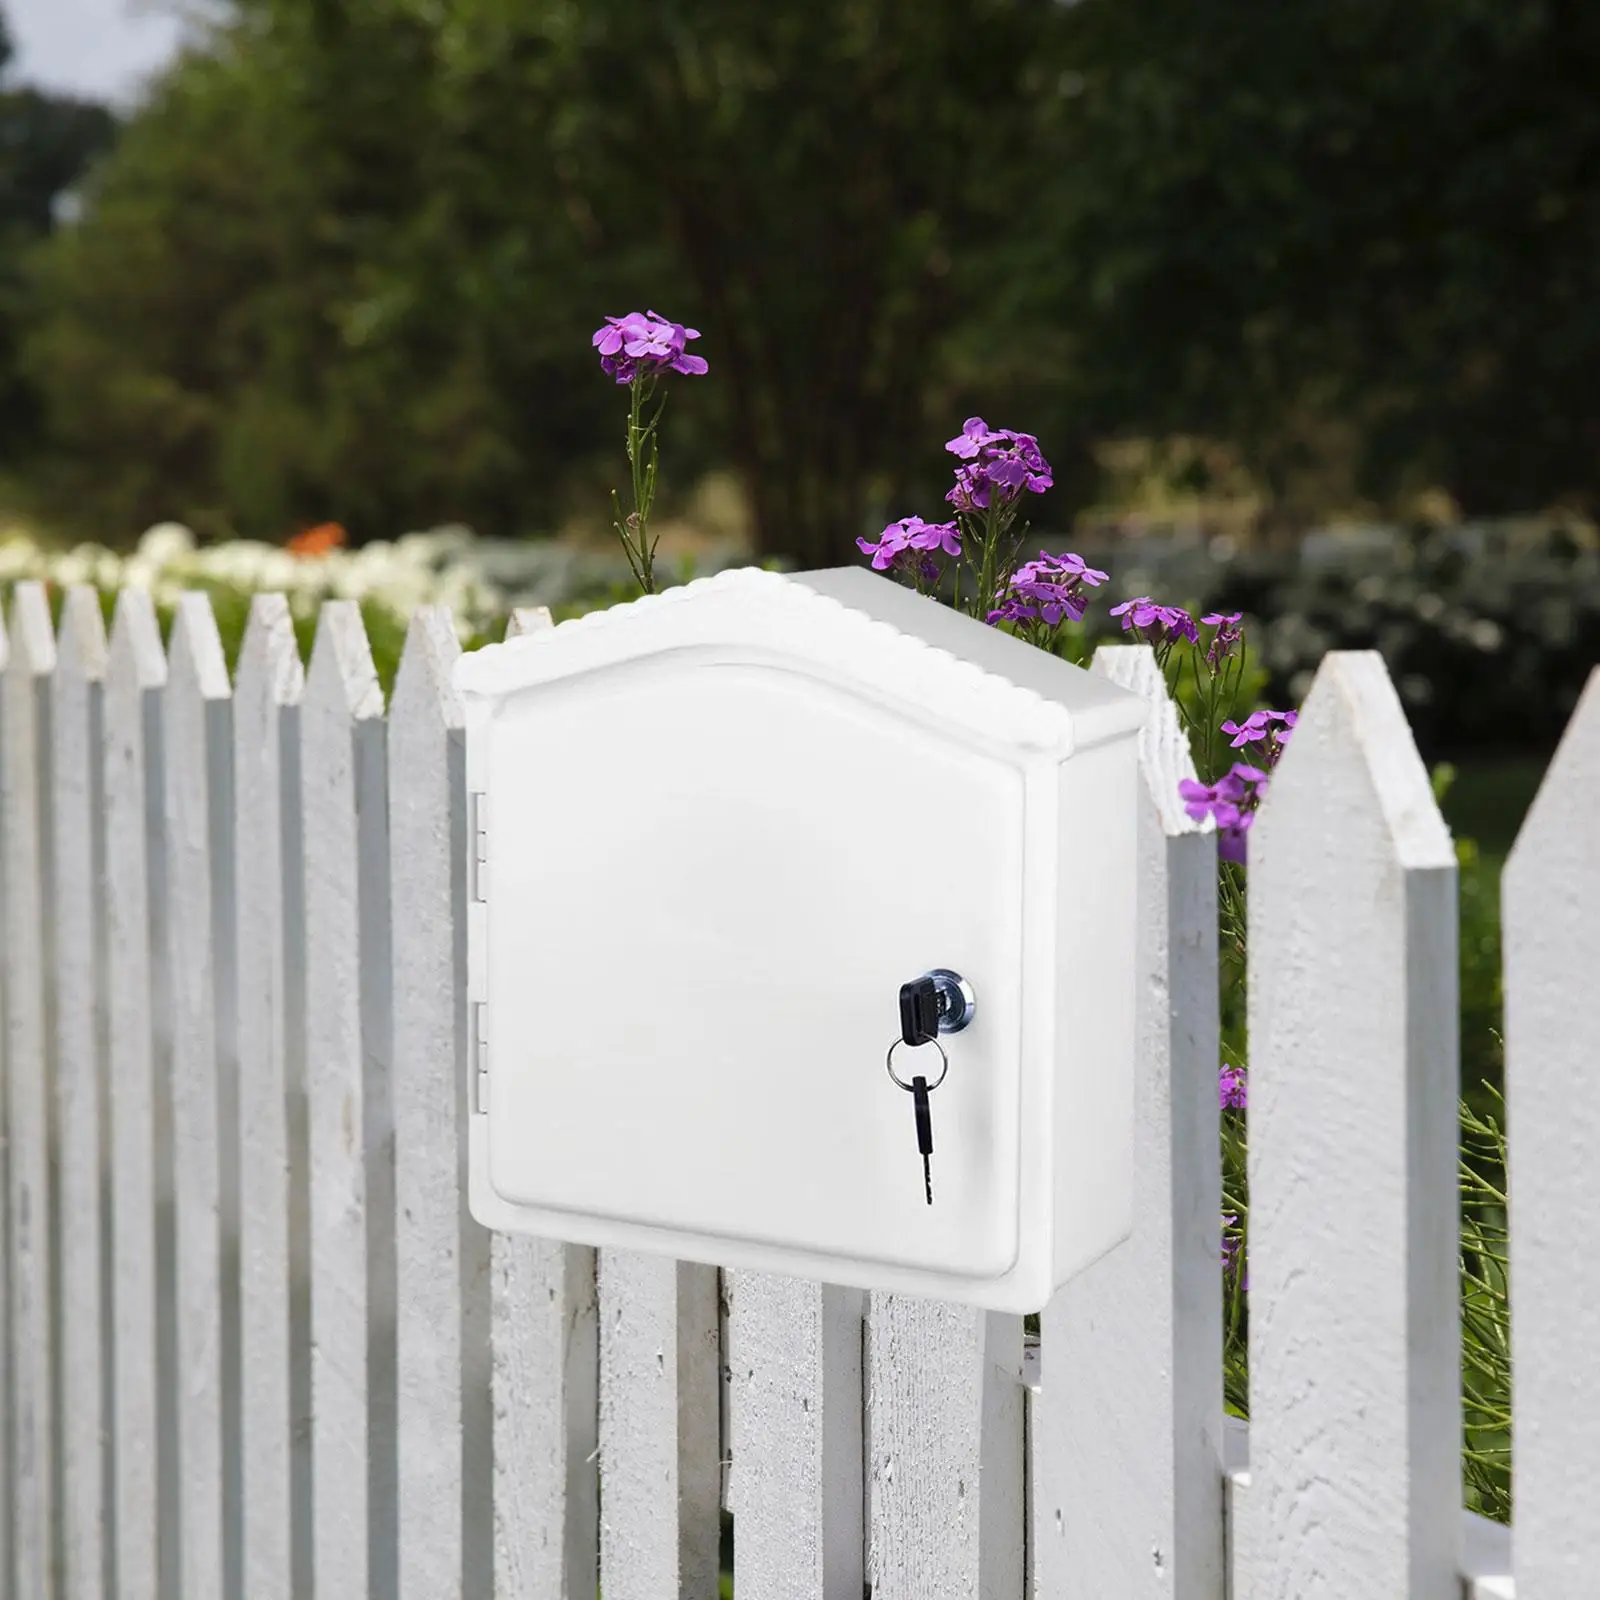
x=1272 y=728
x=1158 y=624
x=1230 y=630
x=1232 y=1248
x=643 y=343
x=1231 y=802
x=1047 y=590
x=1233 y=1088
x=998 y=464
x=908 y=534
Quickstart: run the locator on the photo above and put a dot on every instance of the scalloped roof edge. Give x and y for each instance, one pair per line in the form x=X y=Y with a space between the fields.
x=1092 y=708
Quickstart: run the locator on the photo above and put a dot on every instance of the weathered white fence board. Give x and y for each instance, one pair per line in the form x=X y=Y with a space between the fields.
x=139 y=1094
x=945 y=1503
x=7 y=1295
x=199 y=811
x=274 y=1284
x=1552 y=955
x=545 y=1397
x=28 y=687
x=795 y=1352
x=1485 y=1546
x=445 y=1443
x=1127 y=1446
x=81 y=1039
x=545 y=1391
x=194 y=886
x=660 y=1512
x=344 y=789
x=1355 y=1484
x=1486 y=1559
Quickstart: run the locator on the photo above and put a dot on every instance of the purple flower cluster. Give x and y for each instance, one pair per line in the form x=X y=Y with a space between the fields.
x=1156 y=624
x=1271 y=728
x=1047 y=590
x=900 y=539
x=998 y=466
x=643 y=344
x=1230 y=630
x=1233 y=1088
x=1231 y=802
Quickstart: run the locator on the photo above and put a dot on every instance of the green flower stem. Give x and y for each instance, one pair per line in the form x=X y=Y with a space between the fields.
x=643 y=460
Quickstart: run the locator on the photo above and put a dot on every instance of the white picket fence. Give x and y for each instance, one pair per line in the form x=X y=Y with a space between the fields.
x=253 y=1344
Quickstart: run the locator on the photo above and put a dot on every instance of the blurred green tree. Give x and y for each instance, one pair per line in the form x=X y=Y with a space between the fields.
x=47 y=142
x=345 y=262
x=1277 y=217
x=347 y=259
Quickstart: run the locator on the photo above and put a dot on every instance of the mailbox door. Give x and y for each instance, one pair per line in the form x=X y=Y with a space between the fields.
x=708 y=875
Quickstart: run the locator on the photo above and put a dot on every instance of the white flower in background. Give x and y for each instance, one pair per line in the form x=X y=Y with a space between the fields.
x=166 y=543
x=479 y=580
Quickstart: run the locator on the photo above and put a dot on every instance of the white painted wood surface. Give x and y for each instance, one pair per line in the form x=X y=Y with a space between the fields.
x=199 y=812
x=945 y=1503
x=797 y=1401
x=1485 y=1546
x=445 y=1488
x=344 y=802
x=1551 y=908
x=1355 y=1488
x=81 y=1041
x=545 y=1400
x=1354 y=1339
x=275 y=1348
x=29 y=1045
x=139 y=1097
x=544 y=1343
x=1486 y=1559
x=1127 y=1446
x=7 y=1299
x=660 y=1510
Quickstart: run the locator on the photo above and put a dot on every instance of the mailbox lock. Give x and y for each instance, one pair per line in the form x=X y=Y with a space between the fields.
x=938 y=1002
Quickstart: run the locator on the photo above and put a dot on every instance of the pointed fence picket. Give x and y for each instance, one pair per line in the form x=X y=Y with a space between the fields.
x=274 y=1247
x=250 y=1327
x=1355 y=1431
x=350 y=1114
x=1552 y=963
x=29 y=816
x=143 y=1303
x=205 y=1097
x=1133 y=1348
x=444 y=1421
x=78 y=866
x=9 y=1377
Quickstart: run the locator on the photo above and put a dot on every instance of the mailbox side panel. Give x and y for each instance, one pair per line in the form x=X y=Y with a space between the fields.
x=1095 y=1041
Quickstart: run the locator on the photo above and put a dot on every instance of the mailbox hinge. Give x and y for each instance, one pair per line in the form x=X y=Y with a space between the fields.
x=477 y=841
x=479 y=1050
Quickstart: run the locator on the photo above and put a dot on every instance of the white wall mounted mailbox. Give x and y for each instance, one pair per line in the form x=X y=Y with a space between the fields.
x=734 y=842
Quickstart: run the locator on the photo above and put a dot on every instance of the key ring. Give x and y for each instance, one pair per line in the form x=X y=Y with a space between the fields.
x=901 y=1082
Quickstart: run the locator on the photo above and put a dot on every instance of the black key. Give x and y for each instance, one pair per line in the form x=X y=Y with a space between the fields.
x=919 y=1101
x=919 y=1011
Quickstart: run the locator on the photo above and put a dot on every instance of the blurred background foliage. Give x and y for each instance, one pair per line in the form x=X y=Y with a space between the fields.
x=343 y=261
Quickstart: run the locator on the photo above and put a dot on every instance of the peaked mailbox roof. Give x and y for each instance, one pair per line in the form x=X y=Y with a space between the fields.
x=852 y=623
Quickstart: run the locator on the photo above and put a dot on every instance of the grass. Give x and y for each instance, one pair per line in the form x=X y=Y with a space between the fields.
x=1489 y=798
